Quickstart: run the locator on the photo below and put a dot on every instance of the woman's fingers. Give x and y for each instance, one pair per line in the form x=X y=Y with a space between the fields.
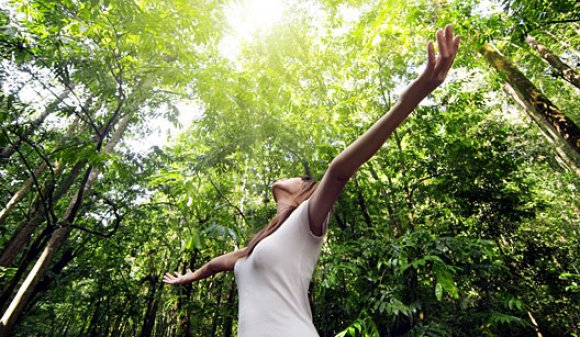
x=430 y=56
x=456 y=43
x=438 y=65
x=449 y=39
x=448 y=46
x=454 y=47
x=172 y=278
x=441 y=44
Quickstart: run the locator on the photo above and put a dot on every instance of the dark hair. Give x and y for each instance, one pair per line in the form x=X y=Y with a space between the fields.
x=308 y=187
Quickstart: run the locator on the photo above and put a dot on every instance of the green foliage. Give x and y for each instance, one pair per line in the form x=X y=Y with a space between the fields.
x=464 y=224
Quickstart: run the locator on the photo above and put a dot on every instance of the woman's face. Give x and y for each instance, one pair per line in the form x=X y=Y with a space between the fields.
x=285 y=188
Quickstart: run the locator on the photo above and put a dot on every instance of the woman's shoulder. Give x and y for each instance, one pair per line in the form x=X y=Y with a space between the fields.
x=303 y=218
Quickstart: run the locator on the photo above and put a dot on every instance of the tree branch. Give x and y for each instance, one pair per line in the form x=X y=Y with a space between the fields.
x=47 y=205
x=118 y=220
x=227 y=200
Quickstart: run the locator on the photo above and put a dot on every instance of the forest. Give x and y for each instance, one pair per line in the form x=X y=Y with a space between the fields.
x=140 y=137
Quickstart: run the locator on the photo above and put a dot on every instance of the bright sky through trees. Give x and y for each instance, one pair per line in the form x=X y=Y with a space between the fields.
x=249 y=16
x=245 y=19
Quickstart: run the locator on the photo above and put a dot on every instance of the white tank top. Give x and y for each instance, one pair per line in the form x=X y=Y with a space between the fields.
x=273 y=281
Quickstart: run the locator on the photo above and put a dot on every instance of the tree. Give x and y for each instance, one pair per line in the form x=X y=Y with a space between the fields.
x=534 y=100
x=463 y=224
x=562 y=69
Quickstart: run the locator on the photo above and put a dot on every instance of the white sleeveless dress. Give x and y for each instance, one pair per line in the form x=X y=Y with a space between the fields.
x=273 y=281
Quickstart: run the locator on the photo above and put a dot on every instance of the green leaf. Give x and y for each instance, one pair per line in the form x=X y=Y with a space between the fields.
x=438 y=291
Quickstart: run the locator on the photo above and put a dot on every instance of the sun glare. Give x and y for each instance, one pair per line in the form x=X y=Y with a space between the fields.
x=246 y=18
x=251 y=16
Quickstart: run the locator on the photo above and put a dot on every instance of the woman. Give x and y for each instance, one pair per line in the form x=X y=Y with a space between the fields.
x=273 y=272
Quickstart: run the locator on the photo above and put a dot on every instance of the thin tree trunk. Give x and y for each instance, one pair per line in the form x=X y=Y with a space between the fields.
x=64 y=332
x=152 y=305
x=22 y=235
x=62 y=262
x=18 y=241
x=217 y=315
x=28 y=258
x=59 y=236
x=564 y=156
x=563 y=70
x=26 y=290
x=534 y=99
x=69 y=317
x=8 y=151
x=92 y=327
x=118 y=323
x=184 y=296
x=229 y=320
x=535 y=324
x=566 y=45
x=16 y=197
x=362 y=203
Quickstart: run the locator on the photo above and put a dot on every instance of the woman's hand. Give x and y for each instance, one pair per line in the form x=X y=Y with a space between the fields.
x=178 y=278
x=225 y=262
x=437 y=67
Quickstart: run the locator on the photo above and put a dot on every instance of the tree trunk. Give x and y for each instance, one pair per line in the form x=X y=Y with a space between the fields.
x=22 y=235
x=533 y=98
x=93 y=324
x=27 y=289
x=26 y=261
x=62 y=262
x=362 y=203
x=184 y=297
x=16 y=197
x=229 y=319
x=59 y=236
x=216 y=317
x=9 y=150
x=564 y=156
x=152 y=304
x=18 y=241
x=562 y=69
x=564 y=44
x=535 y=324
x=118 y=322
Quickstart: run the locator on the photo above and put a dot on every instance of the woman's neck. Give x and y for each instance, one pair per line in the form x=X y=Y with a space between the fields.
x=283 y=204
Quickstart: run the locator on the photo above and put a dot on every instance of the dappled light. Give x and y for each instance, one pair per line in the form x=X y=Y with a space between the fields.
x=146 y=146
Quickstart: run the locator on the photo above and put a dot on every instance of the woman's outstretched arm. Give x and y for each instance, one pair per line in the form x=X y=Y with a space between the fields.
x=221 y=263
x=343 y=167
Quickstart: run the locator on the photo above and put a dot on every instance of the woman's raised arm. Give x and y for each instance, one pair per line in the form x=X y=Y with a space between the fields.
x=343 y=167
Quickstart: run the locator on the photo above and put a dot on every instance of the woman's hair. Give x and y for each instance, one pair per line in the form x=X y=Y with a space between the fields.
x=308 y=187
